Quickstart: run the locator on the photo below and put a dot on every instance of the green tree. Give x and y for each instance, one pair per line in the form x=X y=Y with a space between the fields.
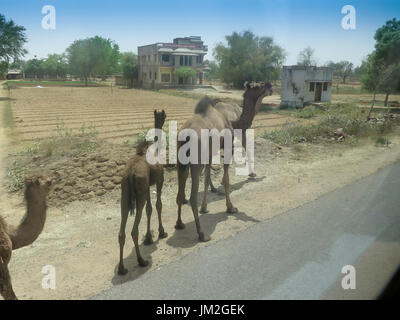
x=34 y=68
x=383 y=65
x=248 y=57
x=56 y=66
x=92 y=57
x=130 y=67
x=12 y=40
x=185 y=73
x=306 y=58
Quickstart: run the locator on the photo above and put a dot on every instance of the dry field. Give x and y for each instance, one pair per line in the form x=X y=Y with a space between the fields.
x=117 y=115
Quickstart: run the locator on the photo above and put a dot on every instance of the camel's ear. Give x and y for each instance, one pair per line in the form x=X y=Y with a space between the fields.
x=164 y=114
x=155 y=112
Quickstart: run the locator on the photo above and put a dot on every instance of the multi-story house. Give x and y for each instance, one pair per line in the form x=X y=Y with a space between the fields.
x=158 y=61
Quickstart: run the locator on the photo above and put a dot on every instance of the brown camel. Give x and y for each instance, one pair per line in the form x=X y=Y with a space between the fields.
x=138 y=176
x=233 y=112
x=15 y=237
x=208 y=117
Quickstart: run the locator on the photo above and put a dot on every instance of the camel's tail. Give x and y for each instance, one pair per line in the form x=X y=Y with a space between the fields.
x=132 y=194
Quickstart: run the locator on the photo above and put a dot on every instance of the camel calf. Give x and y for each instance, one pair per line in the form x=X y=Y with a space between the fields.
x=138 y=176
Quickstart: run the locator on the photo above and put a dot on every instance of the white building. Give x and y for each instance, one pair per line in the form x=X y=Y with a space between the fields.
x=302 y=85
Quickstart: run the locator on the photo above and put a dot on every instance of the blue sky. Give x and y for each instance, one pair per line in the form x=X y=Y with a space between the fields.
x=293 y=24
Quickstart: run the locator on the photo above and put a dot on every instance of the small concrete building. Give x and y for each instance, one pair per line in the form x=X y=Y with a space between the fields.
x=303 y=85
x=14 y=74
x=158 y=61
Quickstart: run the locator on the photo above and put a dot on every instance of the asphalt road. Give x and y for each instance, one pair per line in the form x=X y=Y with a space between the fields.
x=295 y=255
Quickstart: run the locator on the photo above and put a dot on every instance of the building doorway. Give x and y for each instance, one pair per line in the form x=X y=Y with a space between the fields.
x=318 y=91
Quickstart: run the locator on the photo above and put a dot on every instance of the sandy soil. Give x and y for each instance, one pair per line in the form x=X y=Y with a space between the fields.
x=81 y=239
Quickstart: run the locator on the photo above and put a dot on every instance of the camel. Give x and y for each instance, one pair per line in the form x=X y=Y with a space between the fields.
x=138 y=176
x=208 y=117
x=29 y=229
x=233 y=112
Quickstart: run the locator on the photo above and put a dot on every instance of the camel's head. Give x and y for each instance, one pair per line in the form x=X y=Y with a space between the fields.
x=37 y=187
x=258 y=89
x=159 y=119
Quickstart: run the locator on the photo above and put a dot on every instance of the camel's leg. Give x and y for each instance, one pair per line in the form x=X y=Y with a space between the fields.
x=229 y=206
x=125 y=207
x=148 y=239
x=6 y=289
x=212 y=187
x=161 y=233
x=140 y=200
x=207 y=179
x=183 y=171
x=248 y=155
x=195 y=174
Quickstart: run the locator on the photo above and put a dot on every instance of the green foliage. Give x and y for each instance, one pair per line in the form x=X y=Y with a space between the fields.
x=34 y=68
x=349 y=117
x=92 y=57
x=247 y=57
x=185 y=73
x=16 y=177
x=382 y=67
x=12 y=40
x=56 y=65
x=388 y=42
x=130 y=66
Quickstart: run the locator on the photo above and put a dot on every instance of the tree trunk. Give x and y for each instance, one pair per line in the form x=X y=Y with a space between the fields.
x=372 y=106
x=86 y=81
x=386 y=99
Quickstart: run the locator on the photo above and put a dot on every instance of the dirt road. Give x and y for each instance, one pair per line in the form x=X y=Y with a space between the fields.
x=80 y=239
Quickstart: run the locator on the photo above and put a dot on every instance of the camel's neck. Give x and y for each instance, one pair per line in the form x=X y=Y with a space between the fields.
x=31 y=225
x=246 y=118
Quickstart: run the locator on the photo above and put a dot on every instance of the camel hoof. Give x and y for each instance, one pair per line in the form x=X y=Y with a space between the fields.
x=203 y=211
x=232 y=210
x=162 y=235
x=179 y=225
x=203 y=237
x=148 y=241
x=252 y=175
x=122 y=271
x=143 y=263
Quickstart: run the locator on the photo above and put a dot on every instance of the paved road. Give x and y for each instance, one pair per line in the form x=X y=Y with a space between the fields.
x=295 y=255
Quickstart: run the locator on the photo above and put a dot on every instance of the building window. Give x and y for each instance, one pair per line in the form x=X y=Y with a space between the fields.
x=181 y=60
x=325 y=86
x=312 y=85
x=165 y=77
x=150 y=75
x=186 y=60
x=190 y=61
x=155 y=75
x=165 y=58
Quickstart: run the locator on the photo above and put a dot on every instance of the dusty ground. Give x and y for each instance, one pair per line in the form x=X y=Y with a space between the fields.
x=80 y=238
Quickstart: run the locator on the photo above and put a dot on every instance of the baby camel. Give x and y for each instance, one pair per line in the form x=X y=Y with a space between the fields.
x=15 y=237
x=138 y=176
